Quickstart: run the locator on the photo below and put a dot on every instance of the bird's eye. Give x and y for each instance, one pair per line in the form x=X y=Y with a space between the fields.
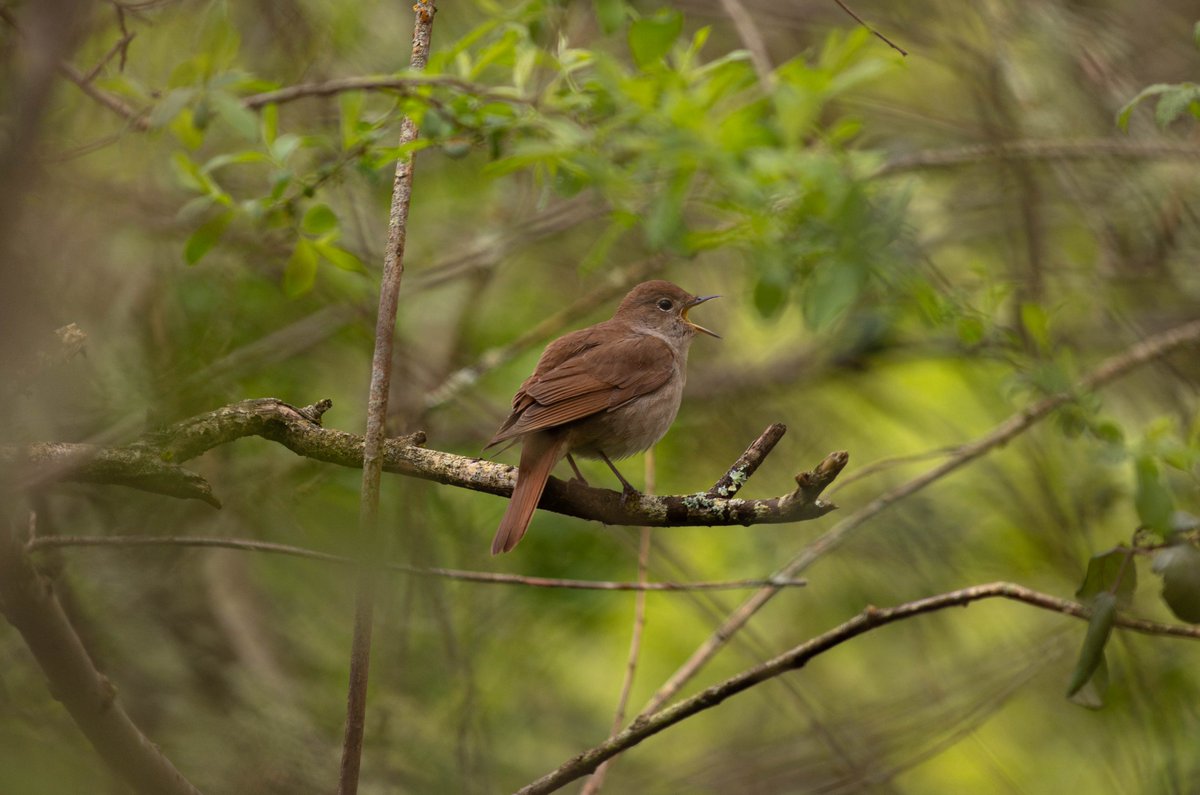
x=665 y=304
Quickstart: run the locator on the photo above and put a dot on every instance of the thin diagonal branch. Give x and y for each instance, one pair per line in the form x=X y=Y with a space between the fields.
x=869 y=619
x=1038 y=150
x=30 y=605
x=1142 y=353
x=481 y=577
x=405 y=84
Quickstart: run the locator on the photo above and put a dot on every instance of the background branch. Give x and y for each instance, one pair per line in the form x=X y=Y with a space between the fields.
x=377 y=406
x=30 y=605
x=482 y=577
x=1137 y=355
x=870 y=618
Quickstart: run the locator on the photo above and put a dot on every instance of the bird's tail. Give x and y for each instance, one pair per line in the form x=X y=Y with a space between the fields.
x=539 y=453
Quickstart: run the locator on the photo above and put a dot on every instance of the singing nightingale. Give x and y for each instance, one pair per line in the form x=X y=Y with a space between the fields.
x=607 y=391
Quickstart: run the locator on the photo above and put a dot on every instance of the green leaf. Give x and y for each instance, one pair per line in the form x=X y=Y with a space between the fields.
x=319 y=219
x=1091 y=655
x=1103 y=572
x=1152 y=497
x=234 y=158
x=184 y=128
x=651 y=38
x=283 y=147
x=1149 y=91
x=340 y=258
x=1179 y=566
x=300 y=274
x=204 y=238
x=170 y=106
x=350 y=103
x=1173 y=103
x=1036 y=323
x=1091 y=695
x=188 y=172
x=610 y=14
x=241 y=119
x=833 y=288
x=769 y=296
x=269 y=126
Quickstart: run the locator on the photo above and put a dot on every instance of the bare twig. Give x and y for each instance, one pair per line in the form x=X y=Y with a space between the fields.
x=138 y=119
x=373 y=442
x=596 y=782
x=874 y=32
x=29 y=604
x=407 y=85
x=747 y=464
x=481 y=577
x=750 y=35
x=869 y=619
x=1037 y=150
x=1139 y=354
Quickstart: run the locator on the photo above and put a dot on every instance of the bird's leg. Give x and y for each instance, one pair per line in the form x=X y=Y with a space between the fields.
x=627 y=488
x=578 y=475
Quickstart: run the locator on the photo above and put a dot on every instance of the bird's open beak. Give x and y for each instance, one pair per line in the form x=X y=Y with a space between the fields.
x=694 y=302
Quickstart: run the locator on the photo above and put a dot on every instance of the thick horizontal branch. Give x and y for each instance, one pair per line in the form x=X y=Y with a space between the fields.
x=869 y=619
x=123 y=466
x=29 y=604
x=482 y=577
x=299 y=430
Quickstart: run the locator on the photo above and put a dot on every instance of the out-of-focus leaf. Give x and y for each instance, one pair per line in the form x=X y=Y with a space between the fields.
x=269 y=123
x=204 y=238
x=1036 y=323
x=769 y=296
x=1091 y=655
x=651 y=38
x=834 y=286
x=185 y=129
x=241 y=119
x=170 y=106
x=1149 y=91
x=318 y=219
x=1179 y=566
x=1152 y=497
x=1091 y=695
x=610 y=14
x=1172 y=104
x=300 y=274
x=1102 y=573
x=340 y=257
x=283 y=147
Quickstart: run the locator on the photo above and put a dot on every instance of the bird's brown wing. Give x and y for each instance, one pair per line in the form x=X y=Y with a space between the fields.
x=592 y=378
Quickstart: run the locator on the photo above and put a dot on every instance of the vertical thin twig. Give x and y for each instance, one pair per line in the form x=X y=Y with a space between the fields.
x=381 y=376
x=750 y=35
x=596 y=782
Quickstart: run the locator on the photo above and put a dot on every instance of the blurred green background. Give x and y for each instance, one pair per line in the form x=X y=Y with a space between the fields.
x=909 y=250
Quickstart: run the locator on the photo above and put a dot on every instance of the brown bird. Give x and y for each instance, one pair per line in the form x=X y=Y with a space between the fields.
x=607 y=391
